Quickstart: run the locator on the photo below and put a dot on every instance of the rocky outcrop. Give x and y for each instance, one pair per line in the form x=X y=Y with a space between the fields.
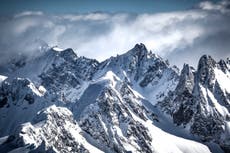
x=201 y=100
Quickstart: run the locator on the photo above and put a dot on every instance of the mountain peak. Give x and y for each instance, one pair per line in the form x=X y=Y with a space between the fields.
x=186 y=79
x=206 y=61
x=68 y=54
x=223 y=65
x=139 y=50
x=205 y=72
x=228 y=61
x=140 y=46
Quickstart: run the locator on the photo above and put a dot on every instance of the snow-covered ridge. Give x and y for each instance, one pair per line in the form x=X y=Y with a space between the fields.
x=201 y=101
x=52 y=130
x=134 y=102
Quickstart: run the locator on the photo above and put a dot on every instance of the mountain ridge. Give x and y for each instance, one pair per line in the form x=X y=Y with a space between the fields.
x=117 y=103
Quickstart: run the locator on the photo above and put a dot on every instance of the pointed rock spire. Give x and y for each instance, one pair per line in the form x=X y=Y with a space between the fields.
x=205 y=73
x=139 y=50
x=186 y=81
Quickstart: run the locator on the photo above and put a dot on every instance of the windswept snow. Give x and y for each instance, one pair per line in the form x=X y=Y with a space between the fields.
x=174 y=144
x=2 y=78
x=57 y=49
x=223 y=80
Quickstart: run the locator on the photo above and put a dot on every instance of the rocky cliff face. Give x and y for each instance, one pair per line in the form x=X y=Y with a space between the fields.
x=20 y=100
x=53 y=129
x=201 y=101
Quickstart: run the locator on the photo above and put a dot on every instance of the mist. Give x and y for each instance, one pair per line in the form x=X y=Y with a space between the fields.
x=177 y=36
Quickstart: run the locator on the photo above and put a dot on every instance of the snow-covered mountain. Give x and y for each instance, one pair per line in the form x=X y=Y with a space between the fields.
x=201 y=101
x=134 y=102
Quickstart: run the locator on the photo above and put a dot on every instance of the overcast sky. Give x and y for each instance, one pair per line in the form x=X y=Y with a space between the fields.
x=179 y=30
x=88 y=6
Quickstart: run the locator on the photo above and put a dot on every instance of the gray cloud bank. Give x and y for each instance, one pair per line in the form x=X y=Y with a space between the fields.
x=178 y=36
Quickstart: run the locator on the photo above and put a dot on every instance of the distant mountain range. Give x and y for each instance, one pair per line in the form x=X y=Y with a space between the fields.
x=136 y=102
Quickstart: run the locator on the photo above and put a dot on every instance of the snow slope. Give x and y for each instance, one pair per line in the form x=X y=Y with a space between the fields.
x=201 y=101
x=123 y=110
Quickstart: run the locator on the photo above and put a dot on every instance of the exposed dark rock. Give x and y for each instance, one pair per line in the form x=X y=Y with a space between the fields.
x=3 y=102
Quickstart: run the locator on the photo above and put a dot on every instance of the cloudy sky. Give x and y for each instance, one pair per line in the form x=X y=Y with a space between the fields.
x=179 y=30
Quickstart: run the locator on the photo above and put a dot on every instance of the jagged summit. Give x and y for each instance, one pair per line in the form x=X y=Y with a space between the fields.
x=209 y=71
x=141 y=45
x=68 y=54
x=206 y=61
x=201 y=101
x=186 y=81
x=223 y=65
x=139 y=50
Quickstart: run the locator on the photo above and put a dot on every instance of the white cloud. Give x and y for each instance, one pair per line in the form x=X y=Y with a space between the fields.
x=222 y=6
x=91 y=16
x=187 y=34
x=28 y=13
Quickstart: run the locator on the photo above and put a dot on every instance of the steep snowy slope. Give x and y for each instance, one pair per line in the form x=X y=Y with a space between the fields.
x=201 y=101
x=146 y=72
x=114 y=121
x=61 y=72
x=20 y=100
x=51 y=130
x=117 y=121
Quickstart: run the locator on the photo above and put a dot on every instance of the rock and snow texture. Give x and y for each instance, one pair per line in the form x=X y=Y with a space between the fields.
x=20 y=100
x=2 y=78
x=53 y=129
x=60 y=102
x=201 y=101
x=119 y=121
